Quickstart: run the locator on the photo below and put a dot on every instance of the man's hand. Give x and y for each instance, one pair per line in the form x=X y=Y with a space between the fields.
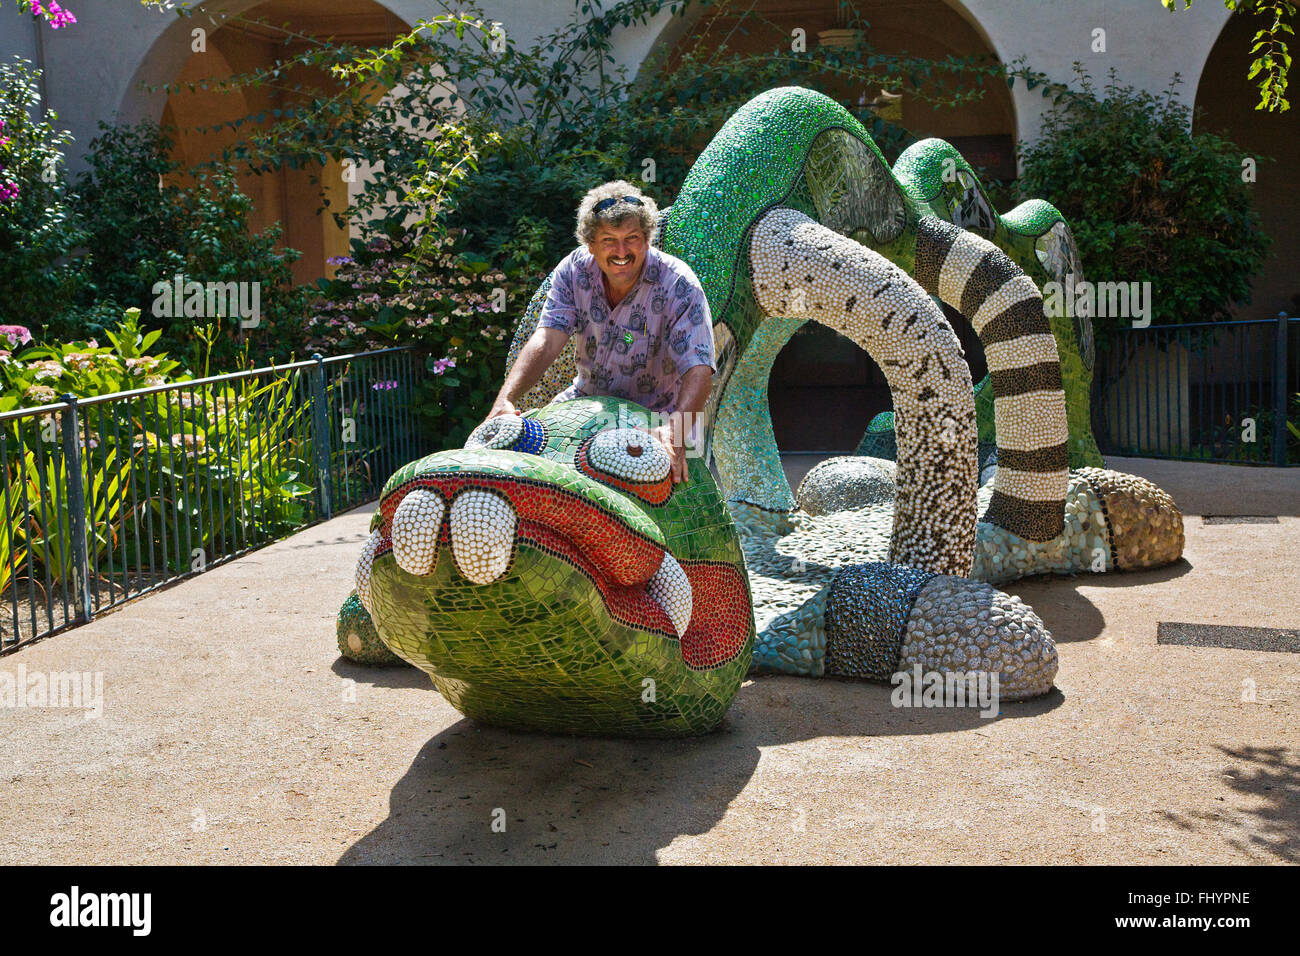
x=503 y=406
x=664 y=434
x=537 y=355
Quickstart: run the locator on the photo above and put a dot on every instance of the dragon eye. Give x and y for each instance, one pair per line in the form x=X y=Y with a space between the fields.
x=509 y=433
x=630 y=459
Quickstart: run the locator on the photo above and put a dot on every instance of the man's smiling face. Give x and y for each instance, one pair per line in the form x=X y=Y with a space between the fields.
x=619 y=251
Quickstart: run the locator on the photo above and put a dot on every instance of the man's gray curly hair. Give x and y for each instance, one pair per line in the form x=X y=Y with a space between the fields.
x=588 y=219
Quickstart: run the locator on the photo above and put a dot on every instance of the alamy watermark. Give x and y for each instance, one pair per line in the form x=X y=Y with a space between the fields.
x=74 y=690
x=688 y=428
x=76 y=909
x=917 y=688
x=1117 y=300
x=189 y=298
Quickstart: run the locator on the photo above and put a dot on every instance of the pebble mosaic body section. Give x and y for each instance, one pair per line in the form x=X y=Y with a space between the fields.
x=962 y=626
x=550 y=576
x=1005 y=309
x=804 y=270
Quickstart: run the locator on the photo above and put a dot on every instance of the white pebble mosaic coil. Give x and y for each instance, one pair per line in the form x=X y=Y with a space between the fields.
x=801 y=269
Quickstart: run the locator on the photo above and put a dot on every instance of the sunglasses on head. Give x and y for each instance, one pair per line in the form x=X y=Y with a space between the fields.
x=606 y=203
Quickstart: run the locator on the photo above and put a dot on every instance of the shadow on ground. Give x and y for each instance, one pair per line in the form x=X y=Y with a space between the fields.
x=1068 y=614
x=1269 y=833
x=586 y=800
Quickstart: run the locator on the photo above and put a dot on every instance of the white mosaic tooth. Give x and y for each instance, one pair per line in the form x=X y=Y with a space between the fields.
x=363 y=569
x=416 y=524
x=482 y=534
x=671 y=590
x=630 y=454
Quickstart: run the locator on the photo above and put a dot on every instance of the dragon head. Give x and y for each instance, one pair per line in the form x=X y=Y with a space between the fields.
x=551 y=576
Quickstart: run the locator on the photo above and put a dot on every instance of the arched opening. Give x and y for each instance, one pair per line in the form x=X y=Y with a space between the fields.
x=290 y=196
x=1225 y=101
x=824 y=389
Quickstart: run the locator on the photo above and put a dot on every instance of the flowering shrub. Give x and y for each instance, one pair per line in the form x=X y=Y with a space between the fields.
x=53 y=13
x=41 y=373
x=40 y=273
x=456 y=309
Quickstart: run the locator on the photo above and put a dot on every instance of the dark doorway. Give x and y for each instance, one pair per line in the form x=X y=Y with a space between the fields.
x=824 y=390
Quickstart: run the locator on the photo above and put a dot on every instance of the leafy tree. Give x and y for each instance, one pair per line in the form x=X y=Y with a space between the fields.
x=1147 y=199
x=490 y=143
x=1269 y=49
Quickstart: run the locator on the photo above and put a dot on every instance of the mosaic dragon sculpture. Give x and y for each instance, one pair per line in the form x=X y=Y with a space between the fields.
x=550 y=576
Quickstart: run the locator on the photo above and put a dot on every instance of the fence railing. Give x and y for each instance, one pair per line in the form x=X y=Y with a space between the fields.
x=110 y=497
x=1208 y=391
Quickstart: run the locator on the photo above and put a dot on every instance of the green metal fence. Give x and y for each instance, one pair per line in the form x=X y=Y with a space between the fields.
x=108 y=498
x=1207 y=391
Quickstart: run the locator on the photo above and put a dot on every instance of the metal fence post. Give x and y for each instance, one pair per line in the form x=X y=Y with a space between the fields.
x=1279 y=391
x=320 y=433
x=71 y=429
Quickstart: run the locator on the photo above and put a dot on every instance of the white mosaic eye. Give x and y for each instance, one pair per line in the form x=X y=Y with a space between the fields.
x=629 y=454
x=496 y=433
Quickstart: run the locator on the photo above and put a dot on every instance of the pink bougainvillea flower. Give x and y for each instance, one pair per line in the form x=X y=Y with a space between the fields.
x=53 y=13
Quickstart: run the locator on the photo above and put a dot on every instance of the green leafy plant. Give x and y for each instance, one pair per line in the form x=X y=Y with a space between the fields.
x=1147 y=200
x=1268 y=49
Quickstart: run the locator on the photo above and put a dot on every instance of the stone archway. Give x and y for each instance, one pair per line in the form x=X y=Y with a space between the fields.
x=234 y=43
x=1225 y=101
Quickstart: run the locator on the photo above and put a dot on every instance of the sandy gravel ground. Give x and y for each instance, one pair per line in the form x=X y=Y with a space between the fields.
x=232 y=733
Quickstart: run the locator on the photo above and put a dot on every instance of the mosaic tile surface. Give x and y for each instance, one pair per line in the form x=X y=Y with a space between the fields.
x=550 y=577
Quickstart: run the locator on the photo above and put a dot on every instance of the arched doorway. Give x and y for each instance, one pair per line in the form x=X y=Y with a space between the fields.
x=254 y=39
x=824 y=389
x=1225 y=103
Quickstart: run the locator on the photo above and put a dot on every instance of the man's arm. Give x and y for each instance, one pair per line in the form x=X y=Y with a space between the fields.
x=534 y=359
x=692 y=396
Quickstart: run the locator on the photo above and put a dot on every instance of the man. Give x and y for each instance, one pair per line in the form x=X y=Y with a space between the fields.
x=642 y=323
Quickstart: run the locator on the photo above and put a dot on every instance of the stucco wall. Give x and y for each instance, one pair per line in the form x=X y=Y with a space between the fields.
x=93 y=67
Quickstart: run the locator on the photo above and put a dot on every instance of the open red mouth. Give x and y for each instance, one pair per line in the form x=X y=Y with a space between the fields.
x=621 y=564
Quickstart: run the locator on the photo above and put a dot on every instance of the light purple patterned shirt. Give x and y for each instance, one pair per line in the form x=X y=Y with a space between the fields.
x=640 y=348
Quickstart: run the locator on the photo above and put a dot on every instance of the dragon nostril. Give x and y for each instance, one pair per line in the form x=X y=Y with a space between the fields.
x=635 y=450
